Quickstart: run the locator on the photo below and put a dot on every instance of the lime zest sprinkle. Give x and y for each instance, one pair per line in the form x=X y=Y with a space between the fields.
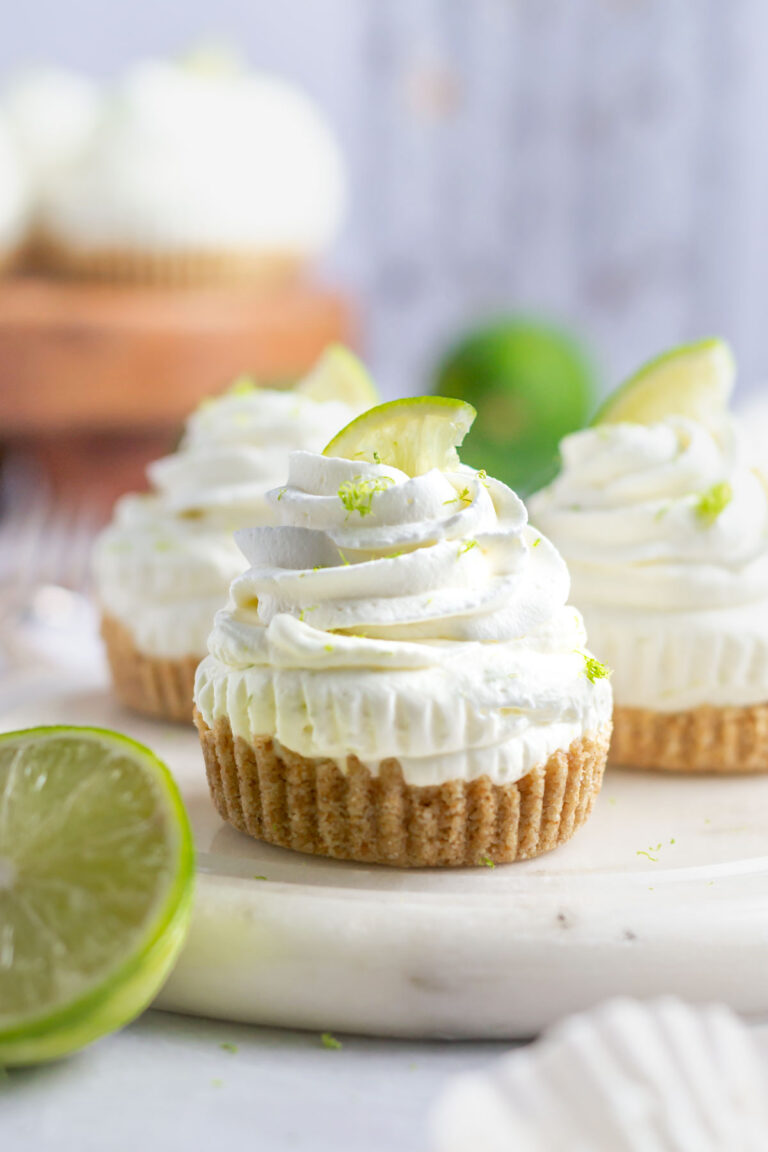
x=242 y=386
x=217 y=1083
x=228 y=1046
x=329 y=1041
x=259 y=877
x=594 y=669
x=343 y=557
x=464 y=496
x=536 y=542
x=376 y=457
x=642 y=852
x=711 y=503
x=467 y=546
x=357 y=495
x=310 y=608
x=328 y=647
x=487 y=862
x=282 y=493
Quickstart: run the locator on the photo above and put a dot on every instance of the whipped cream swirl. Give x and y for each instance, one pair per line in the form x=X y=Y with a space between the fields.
x=387 y=616
x=165 y=563
x=665 y=531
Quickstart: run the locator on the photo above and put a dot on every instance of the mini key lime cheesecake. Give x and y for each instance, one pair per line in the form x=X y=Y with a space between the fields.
x=398 y=677
x=165 y=563
x=664 y=526
x=199 y=172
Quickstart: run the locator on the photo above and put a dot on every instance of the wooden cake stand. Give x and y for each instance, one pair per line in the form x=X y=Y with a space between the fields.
x=95 y=380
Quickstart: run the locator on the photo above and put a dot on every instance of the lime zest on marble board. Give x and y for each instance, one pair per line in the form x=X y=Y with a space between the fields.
x=415 y=434
x=693 y=380
x=96 y=882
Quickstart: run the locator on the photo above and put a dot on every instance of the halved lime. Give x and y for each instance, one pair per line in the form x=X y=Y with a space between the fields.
x=339 y=375
x=96 y=877
x=414 y=434
x=694 y=380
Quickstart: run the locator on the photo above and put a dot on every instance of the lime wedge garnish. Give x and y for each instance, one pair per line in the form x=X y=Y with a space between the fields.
x=96 y=877
x=339 y=375
x=694 y=380
x=414 y=435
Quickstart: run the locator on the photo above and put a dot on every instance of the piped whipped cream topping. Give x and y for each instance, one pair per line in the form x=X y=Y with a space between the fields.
x=204 y=159
x=420 y=618
x=165 y=563
x=665 y=532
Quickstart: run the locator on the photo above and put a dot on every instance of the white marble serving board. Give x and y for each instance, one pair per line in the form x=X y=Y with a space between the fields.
x=664 y=890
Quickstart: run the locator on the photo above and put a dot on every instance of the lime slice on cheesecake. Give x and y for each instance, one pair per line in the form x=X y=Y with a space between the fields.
x=96 y=877
x=694 y=380
x=339 y=375
x=414 y=435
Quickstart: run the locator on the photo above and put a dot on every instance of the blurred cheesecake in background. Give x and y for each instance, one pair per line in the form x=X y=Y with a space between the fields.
x=164 y=565
x=198 y=173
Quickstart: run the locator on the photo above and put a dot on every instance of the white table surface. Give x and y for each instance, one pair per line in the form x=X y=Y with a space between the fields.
x=166 y=1083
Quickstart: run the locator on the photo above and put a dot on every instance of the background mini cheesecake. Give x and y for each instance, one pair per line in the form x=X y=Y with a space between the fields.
x=164 y=565
x=663 y=522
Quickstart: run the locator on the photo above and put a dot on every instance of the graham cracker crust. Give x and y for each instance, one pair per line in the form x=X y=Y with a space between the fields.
x=154 y=685
x=722 y=740
x=192 y=268
x=312 y=806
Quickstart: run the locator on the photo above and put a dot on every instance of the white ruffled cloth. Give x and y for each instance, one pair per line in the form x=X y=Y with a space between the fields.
x=628 y=1076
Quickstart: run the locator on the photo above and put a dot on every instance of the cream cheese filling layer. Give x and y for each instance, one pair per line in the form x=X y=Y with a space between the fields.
x=416 y=618
x=665 y=532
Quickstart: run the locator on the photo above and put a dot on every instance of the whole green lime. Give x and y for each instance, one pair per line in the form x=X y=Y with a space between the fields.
x=531 y=383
